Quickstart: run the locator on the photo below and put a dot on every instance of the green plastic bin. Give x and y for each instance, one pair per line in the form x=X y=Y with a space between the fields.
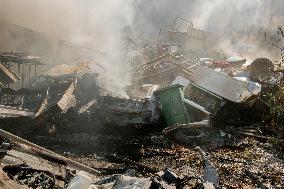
x=173 y=108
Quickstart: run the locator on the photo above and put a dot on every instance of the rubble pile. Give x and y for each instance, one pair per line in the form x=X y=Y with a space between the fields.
x=165 y=162
x=192 y=117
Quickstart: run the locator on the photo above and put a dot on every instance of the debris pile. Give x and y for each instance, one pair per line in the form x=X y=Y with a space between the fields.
x=191 y=118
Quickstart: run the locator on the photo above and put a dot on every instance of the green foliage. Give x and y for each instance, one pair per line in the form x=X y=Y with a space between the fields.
x=274 y=97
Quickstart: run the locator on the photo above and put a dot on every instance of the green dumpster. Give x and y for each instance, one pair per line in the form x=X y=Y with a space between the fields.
x=173 y=108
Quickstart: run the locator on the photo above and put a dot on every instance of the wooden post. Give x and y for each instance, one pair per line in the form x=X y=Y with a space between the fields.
x=29 y=71
x=23 y=78
x=35 y=69
x=19 y=69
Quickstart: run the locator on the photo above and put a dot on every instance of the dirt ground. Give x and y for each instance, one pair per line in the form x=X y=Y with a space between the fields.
x=231 y=155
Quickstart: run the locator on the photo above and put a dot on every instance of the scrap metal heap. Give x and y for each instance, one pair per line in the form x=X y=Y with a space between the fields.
x=164 y=69
x=185 y=122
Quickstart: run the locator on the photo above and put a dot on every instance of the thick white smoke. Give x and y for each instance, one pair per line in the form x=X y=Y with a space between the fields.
x=96 y=24
x=100 y=24
x=225 y=16
x=81 y=25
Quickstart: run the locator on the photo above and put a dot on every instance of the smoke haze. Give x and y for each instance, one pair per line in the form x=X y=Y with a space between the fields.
x=90 y=23
x=100 y=24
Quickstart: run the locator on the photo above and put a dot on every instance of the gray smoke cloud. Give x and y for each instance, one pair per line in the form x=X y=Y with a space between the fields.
x=100 y=24
x=217 y=16
x=76 y=31
x=96 y=24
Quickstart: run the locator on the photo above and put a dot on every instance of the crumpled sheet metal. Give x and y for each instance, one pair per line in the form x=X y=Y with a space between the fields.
x=222 y=85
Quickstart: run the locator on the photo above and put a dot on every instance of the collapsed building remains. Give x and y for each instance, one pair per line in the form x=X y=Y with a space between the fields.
x=192 y=117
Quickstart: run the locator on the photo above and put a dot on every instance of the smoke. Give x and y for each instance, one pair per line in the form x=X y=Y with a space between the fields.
x=95 y=24
x=101 y=25
x=242 y=23
x=226 y=16
x=77 y=30
x=236 y=21
x=217 y=16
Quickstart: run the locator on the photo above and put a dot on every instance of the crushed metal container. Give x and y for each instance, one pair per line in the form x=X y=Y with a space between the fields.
x=173 y=108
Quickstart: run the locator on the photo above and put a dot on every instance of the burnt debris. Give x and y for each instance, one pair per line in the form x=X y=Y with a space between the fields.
x=191 y=117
